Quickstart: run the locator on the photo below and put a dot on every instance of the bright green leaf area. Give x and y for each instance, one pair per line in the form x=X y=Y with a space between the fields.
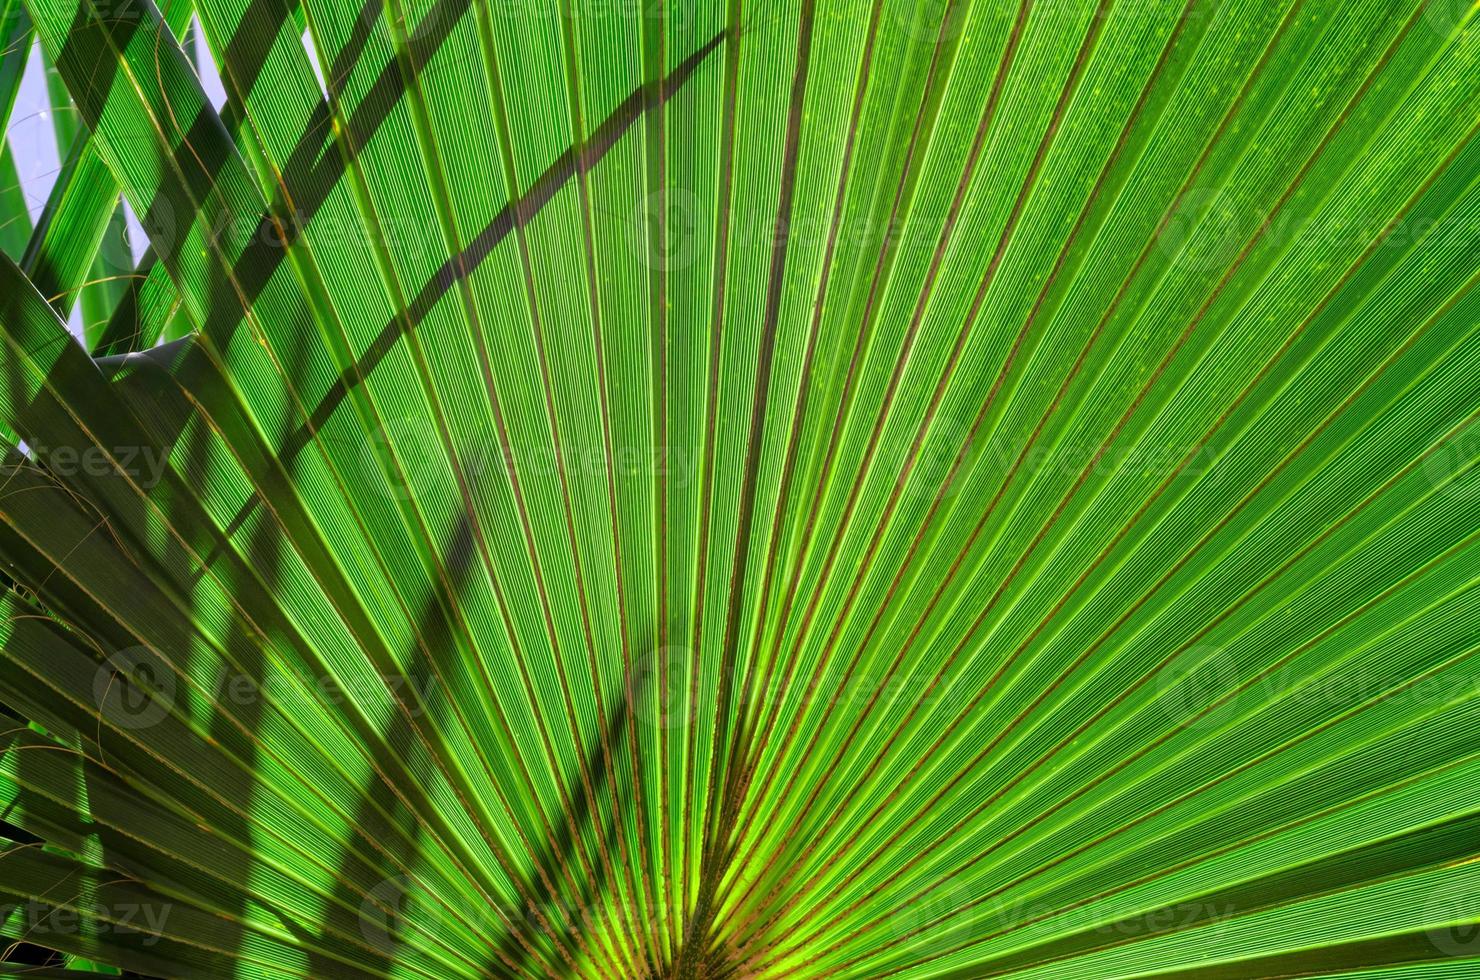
x=983 y=488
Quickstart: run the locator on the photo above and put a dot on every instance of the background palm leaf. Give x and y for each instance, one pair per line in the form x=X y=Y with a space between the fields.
x=768 y=489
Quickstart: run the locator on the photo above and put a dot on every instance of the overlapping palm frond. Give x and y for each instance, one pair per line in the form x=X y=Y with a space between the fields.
x=765 y=489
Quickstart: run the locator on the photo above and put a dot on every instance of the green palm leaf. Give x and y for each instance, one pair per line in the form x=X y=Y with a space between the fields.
x=764 y=490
